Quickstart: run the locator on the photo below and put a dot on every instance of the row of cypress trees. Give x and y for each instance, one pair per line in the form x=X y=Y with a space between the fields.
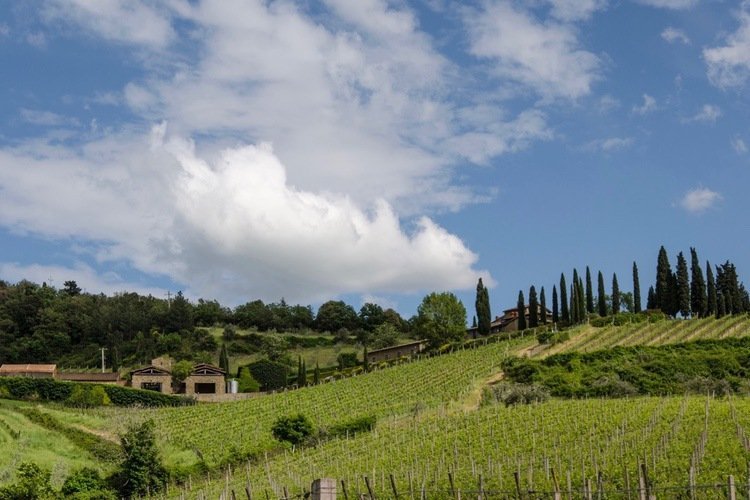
x=689 y=295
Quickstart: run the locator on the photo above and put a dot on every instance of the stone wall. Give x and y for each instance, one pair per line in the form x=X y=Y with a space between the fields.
x=165 y=381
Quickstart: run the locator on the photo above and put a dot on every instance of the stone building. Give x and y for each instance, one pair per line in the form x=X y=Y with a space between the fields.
x=396 y=352
x=152 y=378
x=28 y=370
x=205 y=379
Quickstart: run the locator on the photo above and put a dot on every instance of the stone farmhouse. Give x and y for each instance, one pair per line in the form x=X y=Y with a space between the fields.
x=508 y=322
x=203 y=379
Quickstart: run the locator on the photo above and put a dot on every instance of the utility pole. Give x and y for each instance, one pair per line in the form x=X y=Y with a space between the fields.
x=169 y=299
x=103 y=349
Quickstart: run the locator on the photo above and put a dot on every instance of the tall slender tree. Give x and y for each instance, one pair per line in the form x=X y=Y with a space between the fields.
x=663 y=275
x=636 y=290
x=615 y=295
x=484 y=316
x=589 y=293
x=601 y=299
x=683 y=286
x=224 y=359
x=573 y=307
x=581 y=301
x=555 y=309
x=712 y=300
x=564 y=311
x=521 y=311
x=721 y=305
x=542 y=307
x=698 y=298
x=728 y=283
x=651 y=298
x=533 y=308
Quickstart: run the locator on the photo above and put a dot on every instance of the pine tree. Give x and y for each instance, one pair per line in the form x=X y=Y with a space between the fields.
x=683 y=286
x=533 y=308
x=698 y=298
x=589 y=293
x=712 y=304
x=564 y=311
x=484 y=316
x=521 y=312
x=543 y=307
x=601 y=299
x=615 y=295
x=555 y=309
x=636 y=290
x=651 y=298
x=663 y=274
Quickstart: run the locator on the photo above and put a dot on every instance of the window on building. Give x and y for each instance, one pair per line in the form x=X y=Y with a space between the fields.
x=151 y=386
x=205 y=388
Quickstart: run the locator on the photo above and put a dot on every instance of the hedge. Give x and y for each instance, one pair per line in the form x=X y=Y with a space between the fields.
x=47 y=389
x=269 y=374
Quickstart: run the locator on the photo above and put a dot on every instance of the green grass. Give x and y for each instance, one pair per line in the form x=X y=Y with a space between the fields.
x=46 y=448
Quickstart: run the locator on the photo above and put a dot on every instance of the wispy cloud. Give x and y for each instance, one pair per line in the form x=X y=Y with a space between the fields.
x=739 y=146
x=670 y=4
x=45 y=118
x=699 y=200
x=546 y=56
x=37 y=39
x=729 y=65
x=648 y=106
x=609 y=144
x=708 y=113
x=673 y=35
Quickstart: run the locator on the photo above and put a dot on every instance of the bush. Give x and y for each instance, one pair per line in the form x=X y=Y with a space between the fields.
x=32 y=482
x=512 y=394
x=88 y=396
x=86 y=483
x=246 y=382
x=347 y=360
x=295 y=429
x=271 y=375
x=142 y=472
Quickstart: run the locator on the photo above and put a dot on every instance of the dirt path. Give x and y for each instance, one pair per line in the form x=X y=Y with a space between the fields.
x=102 y=434
x=474 y=399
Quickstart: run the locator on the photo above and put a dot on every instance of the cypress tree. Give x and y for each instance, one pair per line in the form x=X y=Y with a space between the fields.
x=365 y=360
x=300 y=372
x=564 y=311
x=698 y=298
x=581 y=302
x=589 y=293
x=683 y=286
x=728 y=283
x=224 y=359
x=721 y=308
x=636 y=290
x=651 y=299
x=521 y=312
x=573 y=307
x=615 y=295
x=712 y=299
x=316 y=373
x=663 y=274
x=671 y=297
x=543 y=307
x=555 y=309
x=484 y=316
x=474 y=322
x=602 y=297
x=533 y=308
x=743 y=294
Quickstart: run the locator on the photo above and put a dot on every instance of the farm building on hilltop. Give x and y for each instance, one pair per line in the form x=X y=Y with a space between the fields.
x=203 y=379
x=28 y=370
x=397 y=351
x=93 y=377
x=508 y=322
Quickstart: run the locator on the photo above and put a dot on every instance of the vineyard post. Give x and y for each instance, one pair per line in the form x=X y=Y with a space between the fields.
x=691 y=480
x=627 y=482
x=641 y=487
x=517 y=478
x=453 y=486
x=369 y=488
x=732 y=491
x=588 y=490
x=481 y=487
x=247 y=492
x=599 y=485
x=393 y=485
x=286 y=493
x=570 y=485
x=343 y=489
x=558 y=495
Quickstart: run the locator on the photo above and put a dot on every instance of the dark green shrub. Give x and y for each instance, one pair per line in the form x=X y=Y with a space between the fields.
x=295 y=429
x=32 y=482
x=142 y=472
x=271 y=375
x=353 y=427
x=347 y=360
x=512 y=394
x=86 y=483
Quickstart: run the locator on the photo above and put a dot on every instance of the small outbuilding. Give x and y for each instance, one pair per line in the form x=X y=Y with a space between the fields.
x=152 y=378
x=28 y=370
x=93 y=377
x=205 y=379
x=396 y=352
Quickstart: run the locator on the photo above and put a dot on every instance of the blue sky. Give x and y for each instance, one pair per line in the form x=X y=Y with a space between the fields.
x=369 y=150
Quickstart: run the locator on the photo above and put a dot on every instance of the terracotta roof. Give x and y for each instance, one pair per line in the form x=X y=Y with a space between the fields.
x=6 y=368
x=418 y=342
x=89 y=377
x=151 y=370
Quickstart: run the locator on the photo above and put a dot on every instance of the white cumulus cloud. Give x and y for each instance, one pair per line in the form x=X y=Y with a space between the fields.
x=699 y=200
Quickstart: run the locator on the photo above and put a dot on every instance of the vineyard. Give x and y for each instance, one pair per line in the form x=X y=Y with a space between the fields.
x=682 y=441
x=587 y=338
